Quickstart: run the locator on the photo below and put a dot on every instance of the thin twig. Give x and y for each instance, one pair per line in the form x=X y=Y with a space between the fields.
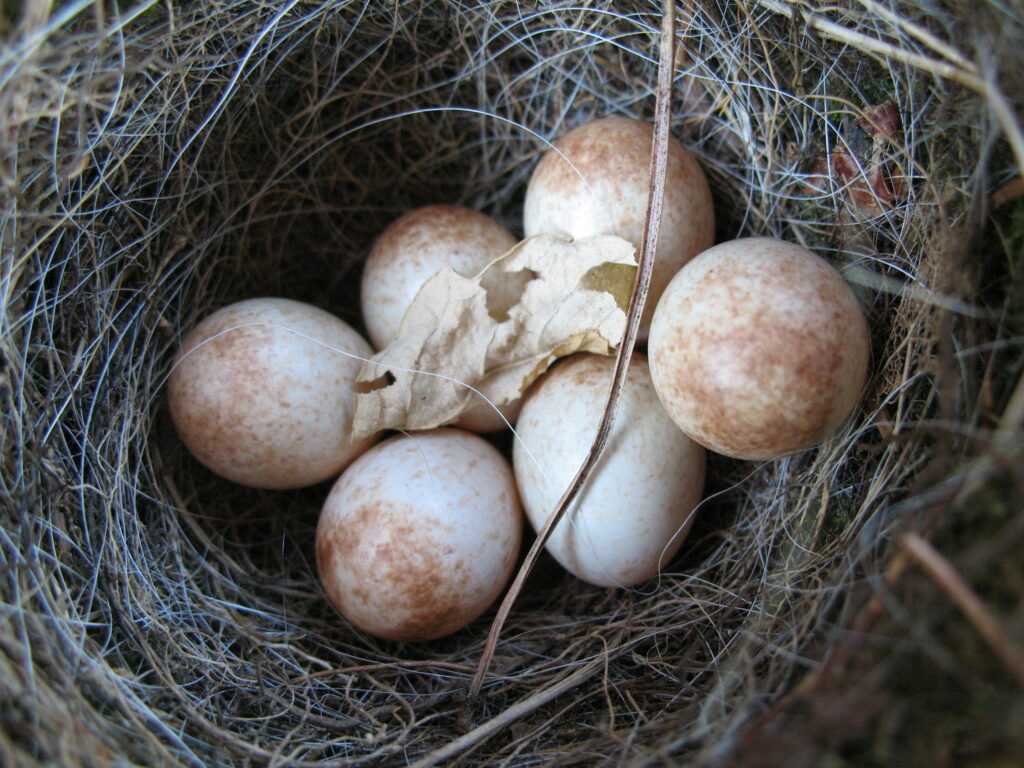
x=988 y=626
x=659 y=160
x=919 y=33
x=966 y=76
x=1011 y=190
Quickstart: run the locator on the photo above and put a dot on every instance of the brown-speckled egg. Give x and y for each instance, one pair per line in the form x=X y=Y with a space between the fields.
x=758 y=349
x=414 y=248
x=260 y=396
x=603 y=190
x=637 y=507
x=420 y=535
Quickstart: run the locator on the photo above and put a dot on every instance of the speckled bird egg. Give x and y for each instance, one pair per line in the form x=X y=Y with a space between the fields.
x=596 y=183
x=420 y=535
x=259 y=394
x=637 y=507
x=758 y=348
x=414 y=248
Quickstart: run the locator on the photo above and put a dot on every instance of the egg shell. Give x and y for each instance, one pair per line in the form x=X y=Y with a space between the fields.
x=414 y=248
x=420 y=535
x=637 y=507
x=758 y=348
x=606 y=193
x=268 y=403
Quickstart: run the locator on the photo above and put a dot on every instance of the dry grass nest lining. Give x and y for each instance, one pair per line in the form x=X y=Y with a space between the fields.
x=159 y=164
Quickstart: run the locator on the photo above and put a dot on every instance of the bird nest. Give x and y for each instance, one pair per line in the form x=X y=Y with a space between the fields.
x=857 y=602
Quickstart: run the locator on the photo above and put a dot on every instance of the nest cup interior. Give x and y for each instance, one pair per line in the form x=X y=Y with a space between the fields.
x=237 y=151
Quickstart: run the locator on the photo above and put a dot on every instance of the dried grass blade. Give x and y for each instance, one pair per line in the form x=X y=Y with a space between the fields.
x=510 y=715
x=659 y=159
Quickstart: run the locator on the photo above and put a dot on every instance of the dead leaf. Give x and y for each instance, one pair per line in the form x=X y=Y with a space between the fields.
x=468 y=330
x=867 y=166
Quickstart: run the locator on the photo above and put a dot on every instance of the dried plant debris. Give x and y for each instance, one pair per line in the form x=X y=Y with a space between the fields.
x=495 y=333
x=866 y=167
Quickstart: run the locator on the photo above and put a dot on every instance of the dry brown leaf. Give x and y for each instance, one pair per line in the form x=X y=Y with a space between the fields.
x=469 y=330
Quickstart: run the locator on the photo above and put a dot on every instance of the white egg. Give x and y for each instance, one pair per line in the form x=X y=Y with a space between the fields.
x=597 y=183
x=420 y=535
x=638 y=506
x=259 y=395
x=414 y=248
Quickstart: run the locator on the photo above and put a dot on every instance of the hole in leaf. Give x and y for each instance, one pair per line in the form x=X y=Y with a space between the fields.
x=504 y=290
x=381 y=382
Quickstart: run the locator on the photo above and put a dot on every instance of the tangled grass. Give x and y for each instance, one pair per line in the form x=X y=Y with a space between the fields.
x=160 y=161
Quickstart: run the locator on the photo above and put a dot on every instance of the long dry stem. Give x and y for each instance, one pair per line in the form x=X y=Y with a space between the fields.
x=652 y=222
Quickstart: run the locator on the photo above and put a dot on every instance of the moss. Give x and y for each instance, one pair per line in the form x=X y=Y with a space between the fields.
x=10 y=12
x=875 y=90
x=1004 y=240
x=836 y=525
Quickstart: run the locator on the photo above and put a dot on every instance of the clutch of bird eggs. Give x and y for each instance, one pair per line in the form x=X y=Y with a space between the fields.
x=757 y=349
